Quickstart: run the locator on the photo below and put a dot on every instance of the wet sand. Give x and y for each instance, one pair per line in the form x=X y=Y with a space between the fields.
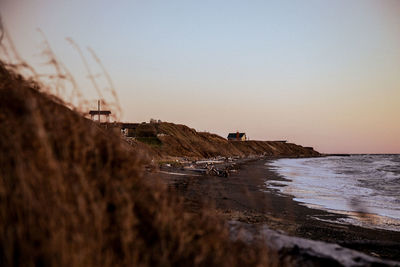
x=243 y=196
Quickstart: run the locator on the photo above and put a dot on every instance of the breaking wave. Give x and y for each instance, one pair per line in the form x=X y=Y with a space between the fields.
x=365 y=188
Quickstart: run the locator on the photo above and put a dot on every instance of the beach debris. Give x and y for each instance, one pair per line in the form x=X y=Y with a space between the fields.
x=217 y=166
x=209 y=161
x=211 y=170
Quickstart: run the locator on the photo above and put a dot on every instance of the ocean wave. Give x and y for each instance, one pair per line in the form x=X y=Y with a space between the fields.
x=361 y=183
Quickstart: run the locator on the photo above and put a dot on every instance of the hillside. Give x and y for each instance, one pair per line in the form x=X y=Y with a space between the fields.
x=175 y=140
x=73 y=194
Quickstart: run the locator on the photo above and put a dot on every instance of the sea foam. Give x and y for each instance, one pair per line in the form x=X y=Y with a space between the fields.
x=365 y=188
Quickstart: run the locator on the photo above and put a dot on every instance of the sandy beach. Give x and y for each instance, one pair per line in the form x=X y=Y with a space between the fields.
x=243 y=197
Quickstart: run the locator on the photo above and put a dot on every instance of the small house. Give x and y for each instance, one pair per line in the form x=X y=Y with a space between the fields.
x=129 y=129
x=237 y=136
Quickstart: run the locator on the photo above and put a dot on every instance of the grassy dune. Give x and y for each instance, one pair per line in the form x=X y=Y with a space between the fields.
x=72 y=194
x=181 y=141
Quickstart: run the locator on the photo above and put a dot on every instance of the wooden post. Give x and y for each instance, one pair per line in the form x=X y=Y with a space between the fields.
x=98 y=108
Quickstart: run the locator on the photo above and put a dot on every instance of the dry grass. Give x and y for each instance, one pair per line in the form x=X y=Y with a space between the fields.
x=72 y=194
x=182 y=141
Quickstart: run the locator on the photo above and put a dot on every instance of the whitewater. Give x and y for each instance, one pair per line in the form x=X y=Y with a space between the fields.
x=363 y=188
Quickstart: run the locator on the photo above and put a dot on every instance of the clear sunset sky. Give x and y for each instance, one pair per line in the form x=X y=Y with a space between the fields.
x=318 y=73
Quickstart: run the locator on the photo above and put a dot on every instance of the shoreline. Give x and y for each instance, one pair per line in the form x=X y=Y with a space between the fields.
x=244 y=197
x=354 y=215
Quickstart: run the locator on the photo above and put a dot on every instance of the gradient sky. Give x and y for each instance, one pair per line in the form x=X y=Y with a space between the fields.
x=318 y=73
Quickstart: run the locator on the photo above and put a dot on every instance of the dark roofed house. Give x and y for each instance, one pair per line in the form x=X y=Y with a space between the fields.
x=237 y=136
x=129 y=129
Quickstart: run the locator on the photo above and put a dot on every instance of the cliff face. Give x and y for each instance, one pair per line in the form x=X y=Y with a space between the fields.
x=181 y=141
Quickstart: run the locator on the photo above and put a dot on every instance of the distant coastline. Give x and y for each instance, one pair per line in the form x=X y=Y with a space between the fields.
x=164 y=140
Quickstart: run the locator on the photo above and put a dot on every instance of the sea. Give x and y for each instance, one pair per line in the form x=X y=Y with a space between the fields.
x=365 y=189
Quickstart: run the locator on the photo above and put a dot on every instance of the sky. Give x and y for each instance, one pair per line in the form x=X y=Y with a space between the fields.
x=324 y=74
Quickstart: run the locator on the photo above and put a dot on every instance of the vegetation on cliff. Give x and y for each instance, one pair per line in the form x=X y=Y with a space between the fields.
x=175 y=140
